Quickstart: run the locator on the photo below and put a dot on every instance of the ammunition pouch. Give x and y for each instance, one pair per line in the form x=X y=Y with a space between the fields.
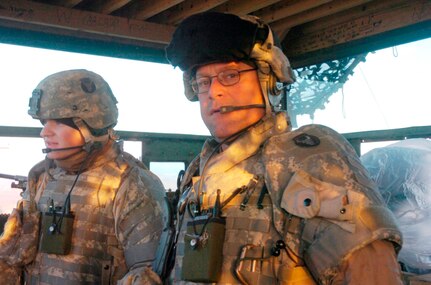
x=298 y=275
x=203 y=253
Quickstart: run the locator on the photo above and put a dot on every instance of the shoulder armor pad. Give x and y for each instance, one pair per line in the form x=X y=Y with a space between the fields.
x=314 y=173
x=327 y=245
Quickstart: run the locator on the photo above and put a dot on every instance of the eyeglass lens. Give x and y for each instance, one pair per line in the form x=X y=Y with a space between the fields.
x=226 y=78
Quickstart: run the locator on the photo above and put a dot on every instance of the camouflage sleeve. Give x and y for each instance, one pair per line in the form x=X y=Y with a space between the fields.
x=18 y=243
x=360 y=268
x=9 y=275
x=138 y=224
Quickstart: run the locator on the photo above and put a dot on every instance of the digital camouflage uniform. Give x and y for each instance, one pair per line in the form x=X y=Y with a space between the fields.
x=298 y=207
x=117 y=205
x=320 y=202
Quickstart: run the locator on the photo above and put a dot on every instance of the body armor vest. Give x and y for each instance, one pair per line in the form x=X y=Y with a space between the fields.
x=250 y=251
x=317 y=193
x=250 y=241
x=94 y=256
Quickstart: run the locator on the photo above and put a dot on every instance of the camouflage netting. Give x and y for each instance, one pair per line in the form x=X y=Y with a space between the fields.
x=315 y=84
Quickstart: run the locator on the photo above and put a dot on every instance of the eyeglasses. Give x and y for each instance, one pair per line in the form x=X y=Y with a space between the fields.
x=226 y=78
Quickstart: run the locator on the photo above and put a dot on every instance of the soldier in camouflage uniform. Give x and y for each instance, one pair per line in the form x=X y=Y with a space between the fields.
x=263 y=204
x=100 y=208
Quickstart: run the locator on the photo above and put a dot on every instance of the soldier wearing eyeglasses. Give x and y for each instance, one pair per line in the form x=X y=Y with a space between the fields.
x=262 y=203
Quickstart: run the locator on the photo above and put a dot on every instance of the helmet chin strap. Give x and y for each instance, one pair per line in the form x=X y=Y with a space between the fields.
x=91 y=142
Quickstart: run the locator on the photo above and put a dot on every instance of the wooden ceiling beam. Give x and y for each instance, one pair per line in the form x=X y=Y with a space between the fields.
x=67 y=3
x=142 y=10
x=288 y=9
x=66 y=20
x=244 y=7
x=189 y=7
x=397 y=22
x=313 y=14
x=370 y=8
x=108 y=6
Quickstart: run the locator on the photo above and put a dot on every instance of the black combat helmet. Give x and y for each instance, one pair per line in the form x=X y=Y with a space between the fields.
x=211 y=37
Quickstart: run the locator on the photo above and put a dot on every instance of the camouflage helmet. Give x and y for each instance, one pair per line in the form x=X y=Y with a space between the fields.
x=75 y=94
x=212 y=37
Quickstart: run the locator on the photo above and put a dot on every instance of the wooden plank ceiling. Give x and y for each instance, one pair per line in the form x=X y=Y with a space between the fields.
x=311 y=31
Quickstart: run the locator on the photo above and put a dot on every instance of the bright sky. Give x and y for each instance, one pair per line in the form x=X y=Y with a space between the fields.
x=149 y=95
x=389 y=90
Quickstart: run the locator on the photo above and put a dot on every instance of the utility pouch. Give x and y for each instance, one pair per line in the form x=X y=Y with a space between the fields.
x=298 y=275
x=56 y=232
x=203 y=252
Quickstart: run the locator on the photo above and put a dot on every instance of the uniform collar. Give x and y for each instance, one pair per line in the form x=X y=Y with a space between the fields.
x=244 y=146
